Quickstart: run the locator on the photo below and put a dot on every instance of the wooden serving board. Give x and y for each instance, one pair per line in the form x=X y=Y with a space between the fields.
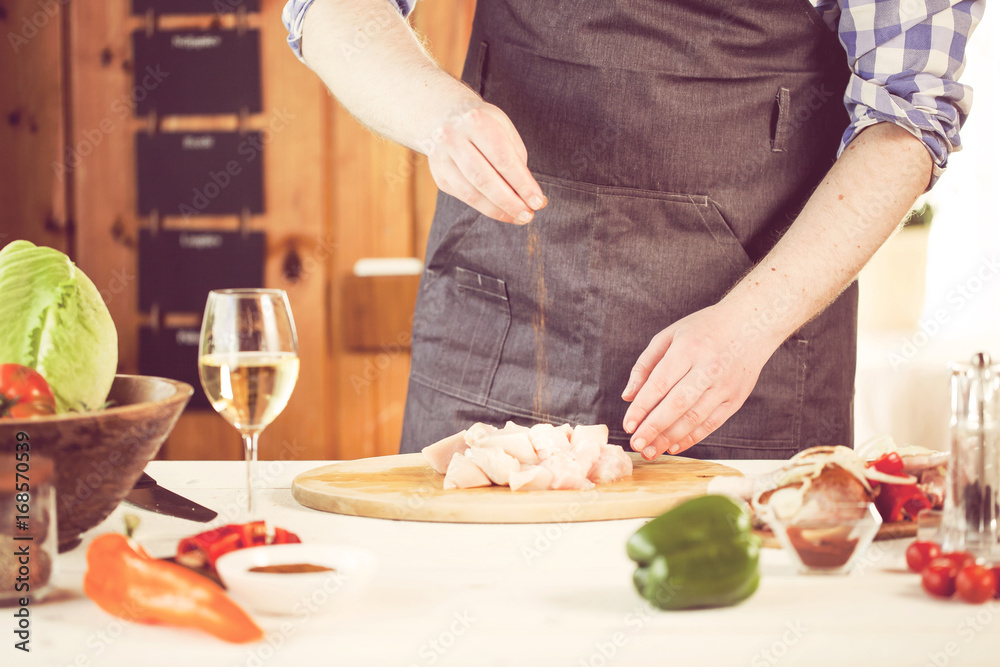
x=404 y=487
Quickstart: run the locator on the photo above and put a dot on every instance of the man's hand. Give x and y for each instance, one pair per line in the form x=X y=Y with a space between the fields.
x=478 y=157
x=697 y=372
x=395 y=88
x=690 y=379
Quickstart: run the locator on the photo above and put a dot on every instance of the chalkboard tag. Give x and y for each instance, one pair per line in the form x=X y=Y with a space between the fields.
x=173 y=353
x=201 y=173
x=177 y=269
x=196 y=72
x=194 y=6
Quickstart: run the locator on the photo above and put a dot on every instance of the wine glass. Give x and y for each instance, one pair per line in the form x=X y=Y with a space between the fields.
x=248 y=360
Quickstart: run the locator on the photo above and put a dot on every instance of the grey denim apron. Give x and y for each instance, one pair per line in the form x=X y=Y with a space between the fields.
x=676 y=141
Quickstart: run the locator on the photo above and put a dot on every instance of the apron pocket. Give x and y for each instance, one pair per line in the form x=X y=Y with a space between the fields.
x=464 y=351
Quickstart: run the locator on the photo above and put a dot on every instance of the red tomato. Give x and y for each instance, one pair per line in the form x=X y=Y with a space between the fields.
x=996 y=575
x=920 y=553
x=938 y=578
x=975 y=584
x=24 y=393
x=959 y=558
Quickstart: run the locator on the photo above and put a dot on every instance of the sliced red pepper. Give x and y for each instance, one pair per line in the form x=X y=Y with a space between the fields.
x=889 y=463
x=213 y=551
x=253 y=534
x=899 y=502
x=282 y=536
x=203 y=549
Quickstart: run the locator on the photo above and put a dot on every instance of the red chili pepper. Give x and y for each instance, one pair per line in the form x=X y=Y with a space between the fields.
x=899 y=502
x=889 y=463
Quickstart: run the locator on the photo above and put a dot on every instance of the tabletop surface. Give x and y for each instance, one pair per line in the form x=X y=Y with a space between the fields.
x=522 y=594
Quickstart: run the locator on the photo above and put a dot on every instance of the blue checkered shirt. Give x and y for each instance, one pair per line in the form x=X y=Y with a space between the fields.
x=905 y=58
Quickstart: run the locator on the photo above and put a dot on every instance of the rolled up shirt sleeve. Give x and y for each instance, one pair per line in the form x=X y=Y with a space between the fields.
x=906 y=57
x=294 y=14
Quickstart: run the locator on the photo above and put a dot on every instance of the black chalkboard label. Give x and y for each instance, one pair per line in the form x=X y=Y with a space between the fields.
x=177 y=269
x=204 y=173
x=173 y=353
x=194 y=6
x=196 y=72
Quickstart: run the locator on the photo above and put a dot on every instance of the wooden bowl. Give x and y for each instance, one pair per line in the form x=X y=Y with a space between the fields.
x=99 y=455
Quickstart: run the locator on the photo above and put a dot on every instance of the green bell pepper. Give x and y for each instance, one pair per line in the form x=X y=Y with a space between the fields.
x=702 y=553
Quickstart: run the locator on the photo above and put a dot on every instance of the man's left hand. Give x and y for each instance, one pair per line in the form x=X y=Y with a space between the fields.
x=691 y=378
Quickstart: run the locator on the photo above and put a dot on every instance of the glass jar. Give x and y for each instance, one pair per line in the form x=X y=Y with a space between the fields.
x=28 y=536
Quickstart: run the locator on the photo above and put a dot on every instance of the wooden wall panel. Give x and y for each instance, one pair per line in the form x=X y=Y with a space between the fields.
x=334 y=194
x=32 y=179
x=383 y=202
x=447 y=26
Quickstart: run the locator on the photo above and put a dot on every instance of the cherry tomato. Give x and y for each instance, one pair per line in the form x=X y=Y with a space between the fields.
x=975 y=584
x=920 y=553
x=938 y=578
x=959 y=558
x=24 y=393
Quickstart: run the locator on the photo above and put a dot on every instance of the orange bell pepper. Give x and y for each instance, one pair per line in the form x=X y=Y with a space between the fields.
x=127 y=582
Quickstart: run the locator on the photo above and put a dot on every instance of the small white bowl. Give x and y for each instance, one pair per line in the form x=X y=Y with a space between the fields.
x=301 y=593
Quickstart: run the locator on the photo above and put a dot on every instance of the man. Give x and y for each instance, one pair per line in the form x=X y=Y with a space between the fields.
x=698 y=204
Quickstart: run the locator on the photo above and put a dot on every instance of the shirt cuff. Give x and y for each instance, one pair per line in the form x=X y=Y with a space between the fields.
x=294 y=15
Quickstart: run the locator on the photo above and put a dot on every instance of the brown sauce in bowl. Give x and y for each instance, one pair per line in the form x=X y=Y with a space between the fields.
x=290 y=568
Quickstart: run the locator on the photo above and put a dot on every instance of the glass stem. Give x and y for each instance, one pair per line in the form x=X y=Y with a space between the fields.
x=250 y=445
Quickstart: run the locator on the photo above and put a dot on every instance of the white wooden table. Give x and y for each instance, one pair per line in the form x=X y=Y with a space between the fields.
x=472 y=595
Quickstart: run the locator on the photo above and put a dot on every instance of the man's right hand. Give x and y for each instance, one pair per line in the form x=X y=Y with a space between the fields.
x=477 y=156
x=393 y=86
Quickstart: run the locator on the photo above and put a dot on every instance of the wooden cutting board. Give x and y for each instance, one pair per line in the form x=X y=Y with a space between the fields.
x=404 y=487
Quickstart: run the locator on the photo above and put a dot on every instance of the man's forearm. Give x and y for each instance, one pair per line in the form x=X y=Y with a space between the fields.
x=374 y=64
x=852 y=212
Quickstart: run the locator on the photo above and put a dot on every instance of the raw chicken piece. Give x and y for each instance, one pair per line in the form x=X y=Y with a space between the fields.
x=439 y=454
x=567 y=472
x=477 y=431
x=613 y=464
x=511 y=427
x=567 y=429
x=495 y=462
x=530 y=478
x=548 y=440
x=464 y=474
x=586 y=443
x=516 y=443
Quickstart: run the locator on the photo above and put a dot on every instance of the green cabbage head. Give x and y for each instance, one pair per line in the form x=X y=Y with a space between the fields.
x=53 y=319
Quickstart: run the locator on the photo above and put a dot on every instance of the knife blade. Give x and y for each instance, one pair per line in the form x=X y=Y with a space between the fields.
x=148 y=495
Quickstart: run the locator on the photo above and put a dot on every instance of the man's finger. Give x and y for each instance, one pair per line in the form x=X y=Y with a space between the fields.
x=644 y=366
x=703 y=430
x=483 y=176
x=511 y=164
x=677 y=400
x=451 y=180
x=702 y=413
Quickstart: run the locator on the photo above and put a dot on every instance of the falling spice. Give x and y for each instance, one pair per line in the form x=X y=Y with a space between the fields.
x=542 y=399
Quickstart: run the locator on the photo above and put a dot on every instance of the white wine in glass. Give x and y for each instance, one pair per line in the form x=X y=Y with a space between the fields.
x=248 y=362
